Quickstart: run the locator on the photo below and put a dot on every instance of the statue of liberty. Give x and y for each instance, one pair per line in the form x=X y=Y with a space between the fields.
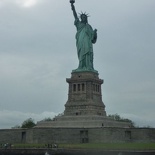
x=85 y=38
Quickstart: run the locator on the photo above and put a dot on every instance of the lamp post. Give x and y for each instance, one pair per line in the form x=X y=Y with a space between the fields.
x=72 y=1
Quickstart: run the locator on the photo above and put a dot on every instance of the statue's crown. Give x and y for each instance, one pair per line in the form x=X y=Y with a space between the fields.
x=85 y=14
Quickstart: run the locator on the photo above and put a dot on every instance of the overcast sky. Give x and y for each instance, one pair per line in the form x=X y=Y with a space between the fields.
x=38 y=53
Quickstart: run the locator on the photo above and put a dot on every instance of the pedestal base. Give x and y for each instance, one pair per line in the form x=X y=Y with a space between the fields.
x=82 y=122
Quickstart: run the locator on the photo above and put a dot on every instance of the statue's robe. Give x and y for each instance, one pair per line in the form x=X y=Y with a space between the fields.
x=85 y=37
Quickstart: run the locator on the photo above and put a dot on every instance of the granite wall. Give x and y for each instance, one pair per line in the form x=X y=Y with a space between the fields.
x=77 y=135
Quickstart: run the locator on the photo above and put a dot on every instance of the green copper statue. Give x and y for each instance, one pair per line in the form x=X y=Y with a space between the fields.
x=85 y=38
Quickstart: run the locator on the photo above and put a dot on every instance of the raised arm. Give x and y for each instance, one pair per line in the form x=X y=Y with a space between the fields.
x=74 y=11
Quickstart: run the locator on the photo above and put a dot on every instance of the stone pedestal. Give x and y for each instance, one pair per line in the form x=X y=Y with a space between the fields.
x=84 y=95
x=84 y=107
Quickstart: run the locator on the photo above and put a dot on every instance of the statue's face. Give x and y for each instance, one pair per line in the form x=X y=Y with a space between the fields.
x=84 y=18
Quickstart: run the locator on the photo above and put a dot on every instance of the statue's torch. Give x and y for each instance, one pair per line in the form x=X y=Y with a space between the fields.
x=72 y=1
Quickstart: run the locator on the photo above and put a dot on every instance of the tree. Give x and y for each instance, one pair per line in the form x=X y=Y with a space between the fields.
x=29 y=123
x=118 y=118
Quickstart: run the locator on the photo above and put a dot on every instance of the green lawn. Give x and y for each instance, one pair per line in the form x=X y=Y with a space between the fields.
x=112 y=146
x=106 y=146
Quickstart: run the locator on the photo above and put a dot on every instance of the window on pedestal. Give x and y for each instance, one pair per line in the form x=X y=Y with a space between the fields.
x=23 y=136
x=83 y=87
x=98 y=88
x=128 y=135
x=79 y=88
x=84 y=136
x=74 y=87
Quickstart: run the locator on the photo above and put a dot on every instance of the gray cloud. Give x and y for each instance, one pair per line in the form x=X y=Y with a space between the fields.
x=15 y=118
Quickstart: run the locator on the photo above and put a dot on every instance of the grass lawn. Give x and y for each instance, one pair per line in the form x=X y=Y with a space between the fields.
x=111 y=146
x=106 y=146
